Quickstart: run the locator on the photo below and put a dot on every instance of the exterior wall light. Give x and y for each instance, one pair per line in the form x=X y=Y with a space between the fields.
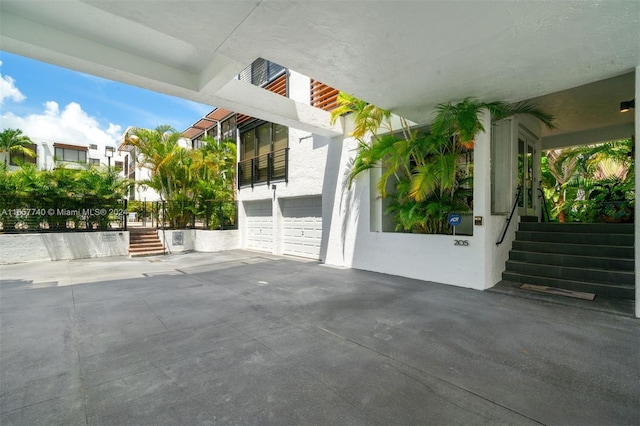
x=627 y=105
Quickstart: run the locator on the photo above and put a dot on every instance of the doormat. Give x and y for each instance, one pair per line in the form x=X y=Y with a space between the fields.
x=558 y=291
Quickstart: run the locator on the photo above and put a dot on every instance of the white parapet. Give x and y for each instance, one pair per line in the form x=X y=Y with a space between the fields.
x=17 y=248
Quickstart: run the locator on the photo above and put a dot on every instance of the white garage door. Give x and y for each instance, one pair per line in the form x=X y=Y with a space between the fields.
x=259 y=226
x=302 y=226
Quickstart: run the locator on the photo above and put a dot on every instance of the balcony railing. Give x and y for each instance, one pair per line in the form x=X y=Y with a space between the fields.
x=264 y=168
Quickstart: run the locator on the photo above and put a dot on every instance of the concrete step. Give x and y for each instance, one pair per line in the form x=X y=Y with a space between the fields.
x=592 y=258
x=147 y=248
x=581 y=228
x=595 y=239
x=574 y=249
x=146 y=244
x=143 y=232
x=147 y=253
x=143 y=237
x=612 y=291
x=575 y=261
x=587 y=275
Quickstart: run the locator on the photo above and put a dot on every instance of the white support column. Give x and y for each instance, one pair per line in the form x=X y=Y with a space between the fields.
x=482 y=201
x=276 y=222
x=637 y=212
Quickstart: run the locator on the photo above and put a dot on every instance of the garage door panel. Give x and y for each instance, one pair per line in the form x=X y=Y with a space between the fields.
x=302 y=226
x=259 y=225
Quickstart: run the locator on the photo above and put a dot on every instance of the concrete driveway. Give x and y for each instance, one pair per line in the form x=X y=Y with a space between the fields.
x=246 y=338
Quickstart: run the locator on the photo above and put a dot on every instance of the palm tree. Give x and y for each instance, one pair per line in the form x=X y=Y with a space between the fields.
x=562 y=165
x=187 y=179
x=584 y=178
x=367 y=117
x=158 y=150
x=425 y=166
x=12 y=140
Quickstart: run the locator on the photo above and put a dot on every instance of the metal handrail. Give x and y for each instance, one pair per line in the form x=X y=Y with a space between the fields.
x=545 y=209
x=164 y=235
x=513 y=210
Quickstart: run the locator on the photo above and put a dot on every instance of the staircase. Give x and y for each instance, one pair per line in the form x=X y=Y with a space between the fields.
x=144 y=242
x=590 y=258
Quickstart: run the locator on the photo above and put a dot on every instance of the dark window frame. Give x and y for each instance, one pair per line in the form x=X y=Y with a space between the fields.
x=65 y=154
x=255 y=166
x=228 y=128
x=261 y=72
x=253 y=126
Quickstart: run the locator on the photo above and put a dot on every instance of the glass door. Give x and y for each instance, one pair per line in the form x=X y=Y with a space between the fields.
x=526 y=176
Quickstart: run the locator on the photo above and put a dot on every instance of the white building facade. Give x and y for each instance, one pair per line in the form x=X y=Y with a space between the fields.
x=294 y=198
x=51 y=154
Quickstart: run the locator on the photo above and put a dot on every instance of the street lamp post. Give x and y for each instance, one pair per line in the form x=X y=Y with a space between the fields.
x=109 y=151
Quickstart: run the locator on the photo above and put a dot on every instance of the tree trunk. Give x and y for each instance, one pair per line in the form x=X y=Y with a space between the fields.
x=562 y=216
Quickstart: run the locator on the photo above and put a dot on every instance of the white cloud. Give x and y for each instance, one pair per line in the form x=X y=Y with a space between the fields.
x=8 y=89
x=70 y=125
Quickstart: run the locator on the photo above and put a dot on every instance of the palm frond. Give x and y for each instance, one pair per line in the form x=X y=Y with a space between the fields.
x=501 y=110
x=424 y=181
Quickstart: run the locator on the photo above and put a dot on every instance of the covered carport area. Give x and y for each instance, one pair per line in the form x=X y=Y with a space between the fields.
x=446 y=51
x=246 y=338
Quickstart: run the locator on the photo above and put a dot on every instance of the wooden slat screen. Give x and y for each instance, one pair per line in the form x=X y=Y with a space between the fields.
x=241 y=118
x=218 y=114
x=323 y=96
x=67 y=146
x=278 y=86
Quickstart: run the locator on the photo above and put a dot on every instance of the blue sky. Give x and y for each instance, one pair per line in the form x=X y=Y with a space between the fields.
x=50 y=102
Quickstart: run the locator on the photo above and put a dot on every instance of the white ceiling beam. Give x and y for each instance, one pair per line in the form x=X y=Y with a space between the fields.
x=254 y=101
x=589 y=136
x=19 y=34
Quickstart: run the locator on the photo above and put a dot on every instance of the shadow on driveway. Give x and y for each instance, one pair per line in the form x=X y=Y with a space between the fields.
x=244 y=338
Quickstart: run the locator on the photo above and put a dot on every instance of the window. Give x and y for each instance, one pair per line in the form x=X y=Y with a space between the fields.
x=16 y=158
x=119 y=165
x=197 y=143
x=262 y=138
x=228 y=128
x=93 y=146
x=70 y=153
x=247 y=142
x=211 y=132
x=131 y=167
x=263 y=153
x=260 y=72
x=95 y=161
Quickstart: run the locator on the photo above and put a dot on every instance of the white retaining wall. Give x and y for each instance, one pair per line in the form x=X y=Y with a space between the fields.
x=18 y=248
x=178 y=241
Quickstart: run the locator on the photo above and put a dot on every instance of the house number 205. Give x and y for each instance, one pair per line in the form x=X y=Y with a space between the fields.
x=461 y=242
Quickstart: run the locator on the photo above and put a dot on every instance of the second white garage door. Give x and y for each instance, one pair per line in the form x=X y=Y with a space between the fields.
x=259 y=226
x=302 y=226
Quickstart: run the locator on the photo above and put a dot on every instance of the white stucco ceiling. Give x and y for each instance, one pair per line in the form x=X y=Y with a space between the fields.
x=406 y=56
